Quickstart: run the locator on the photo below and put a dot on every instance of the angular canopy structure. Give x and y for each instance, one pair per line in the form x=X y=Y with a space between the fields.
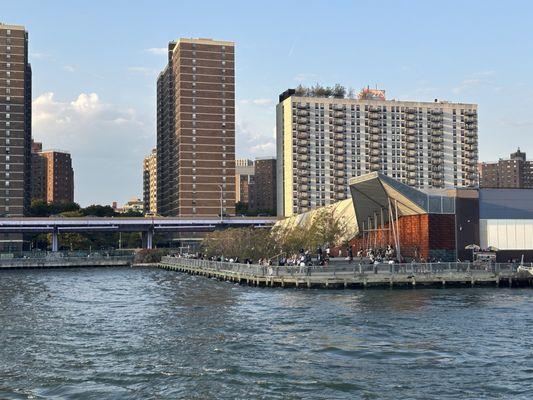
x=376 y=197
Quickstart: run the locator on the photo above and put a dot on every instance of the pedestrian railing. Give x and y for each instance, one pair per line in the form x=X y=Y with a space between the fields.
x=63 y=258
x=343 y=268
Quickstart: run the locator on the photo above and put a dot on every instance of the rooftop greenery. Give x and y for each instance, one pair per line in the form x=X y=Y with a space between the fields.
x=337 y=92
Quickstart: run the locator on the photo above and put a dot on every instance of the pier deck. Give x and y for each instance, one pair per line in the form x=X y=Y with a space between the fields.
x=65 y=262
x=354 y=275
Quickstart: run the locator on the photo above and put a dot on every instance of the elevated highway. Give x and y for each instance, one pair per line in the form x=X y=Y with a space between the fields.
x=147 y=226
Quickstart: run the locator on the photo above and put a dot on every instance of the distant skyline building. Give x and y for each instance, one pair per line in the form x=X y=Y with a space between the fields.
x=15 y=121
x=324 y=138
x=244 y=178
x=52 y=175
x=196 y=129
x=38 y=172
x=263 y=190
x=150 y=183
x=515 y=172
x=133 y=205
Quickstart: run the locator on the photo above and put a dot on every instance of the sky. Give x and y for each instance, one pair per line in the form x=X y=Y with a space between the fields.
x=95 y=65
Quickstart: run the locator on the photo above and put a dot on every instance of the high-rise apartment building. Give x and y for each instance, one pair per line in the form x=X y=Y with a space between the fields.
x=263 y=191
x=150 y=183
x=52 y=175
x=516 y=172
x=196 y=129
x=15 y=121
x=38 y=172
x=244 y=178
x=322 y=141
x=59 y=176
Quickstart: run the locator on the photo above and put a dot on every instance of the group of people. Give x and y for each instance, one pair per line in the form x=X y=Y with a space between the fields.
x=322 y=256
x=379 y=255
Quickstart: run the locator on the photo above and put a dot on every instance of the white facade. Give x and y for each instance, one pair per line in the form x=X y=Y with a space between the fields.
x=322 y=142
x=506 y=234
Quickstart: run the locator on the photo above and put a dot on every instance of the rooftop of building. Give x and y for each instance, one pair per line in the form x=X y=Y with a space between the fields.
x=55 y=151
x=517 y=155
x=9 y=26
x=339 y=94
x=207 y=41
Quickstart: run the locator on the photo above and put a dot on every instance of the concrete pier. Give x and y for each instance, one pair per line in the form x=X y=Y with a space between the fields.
x=65 y=262
x=344 y=275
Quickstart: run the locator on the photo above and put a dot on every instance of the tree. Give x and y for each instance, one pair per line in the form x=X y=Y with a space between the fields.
x=97 y=210
x=252 y=243
x=324 y=229
x=40 y=208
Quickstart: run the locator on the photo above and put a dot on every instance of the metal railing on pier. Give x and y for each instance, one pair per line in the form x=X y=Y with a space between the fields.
x=29 y=258
x=340 y=268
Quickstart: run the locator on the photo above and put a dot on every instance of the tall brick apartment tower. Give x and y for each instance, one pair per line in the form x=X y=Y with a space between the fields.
x=196 y=129
x=15 y=121
x=15 y=127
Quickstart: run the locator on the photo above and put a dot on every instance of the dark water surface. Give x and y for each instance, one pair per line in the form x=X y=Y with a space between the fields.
x=152 y=334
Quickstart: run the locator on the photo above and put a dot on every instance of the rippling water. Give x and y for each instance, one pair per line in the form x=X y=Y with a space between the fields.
x=152 y=334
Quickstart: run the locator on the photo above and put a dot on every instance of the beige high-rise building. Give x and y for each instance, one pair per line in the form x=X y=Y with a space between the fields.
x=196 y=129
x=323 y=141
x=150 y=183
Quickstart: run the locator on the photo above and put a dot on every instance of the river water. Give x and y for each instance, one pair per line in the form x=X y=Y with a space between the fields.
x=128 y=333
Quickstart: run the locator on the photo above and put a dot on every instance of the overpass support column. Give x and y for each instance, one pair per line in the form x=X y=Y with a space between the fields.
x=147 y=239
x=55 y=240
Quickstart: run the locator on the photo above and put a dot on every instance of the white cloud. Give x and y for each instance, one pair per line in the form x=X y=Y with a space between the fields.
x=107 y=143
x=524 y=123
x=254 y=138
x=304 y=77
x=38 y=55
x=157 y=50
x=476 y=80
x=69 y=68
x=257 y=102
x=142 y=70
x=267 y=148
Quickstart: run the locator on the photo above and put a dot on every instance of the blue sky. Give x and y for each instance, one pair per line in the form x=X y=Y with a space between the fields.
x=95 y=66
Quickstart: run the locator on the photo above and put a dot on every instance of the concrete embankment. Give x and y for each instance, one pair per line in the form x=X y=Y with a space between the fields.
x=344 y=275
x=70 y=262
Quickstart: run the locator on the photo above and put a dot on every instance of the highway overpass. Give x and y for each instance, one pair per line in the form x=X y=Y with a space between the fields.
x=147 y=226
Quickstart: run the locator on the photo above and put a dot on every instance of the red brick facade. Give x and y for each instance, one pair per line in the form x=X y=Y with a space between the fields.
x=421 y=236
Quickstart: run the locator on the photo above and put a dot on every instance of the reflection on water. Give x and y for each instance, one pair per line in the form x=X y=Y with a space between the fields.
x=142 y=333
